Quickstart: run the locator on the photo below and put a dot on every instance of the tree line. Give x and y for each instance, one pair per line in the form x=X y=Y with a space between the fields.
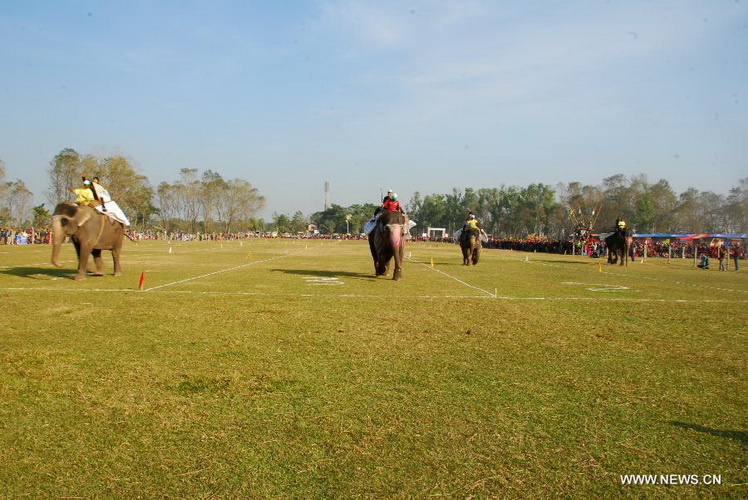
x=206 y=202
x=542 y=210
x=539 y=209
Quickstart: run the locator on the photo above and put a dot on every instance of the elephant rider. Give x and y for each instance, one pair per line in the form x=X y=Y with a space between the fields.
x=101 y=192
x=471 y=223
x=86 y=195
x=380 y=208
x=471 y=226
x=108 y=205
x=621 y=225
x=94 y=195
x=392 y=204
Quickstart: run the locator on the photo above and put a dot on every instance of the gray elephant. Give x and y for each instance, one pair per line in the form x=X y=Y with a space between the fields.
x=470 y=245
x=387 y=242
x=91 y=232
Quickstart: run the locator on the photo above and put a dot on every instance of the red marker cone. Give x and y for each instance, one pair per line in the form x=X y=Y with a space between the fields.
x=142 y=278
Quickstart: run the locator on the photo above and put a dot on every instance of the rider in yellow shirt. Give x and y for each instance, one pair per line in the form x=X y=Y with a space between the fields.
x=471 y=222
x=621 y=225
x=85 y=194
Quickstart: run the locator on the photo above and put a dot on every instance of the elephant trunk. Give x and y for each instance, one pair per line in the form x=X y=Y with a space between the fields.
x=396 y=236
x=58 y=236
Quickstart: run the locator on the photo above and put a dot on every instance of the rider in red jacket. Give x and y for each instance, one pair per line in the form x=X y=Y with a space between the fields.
x=391 y=203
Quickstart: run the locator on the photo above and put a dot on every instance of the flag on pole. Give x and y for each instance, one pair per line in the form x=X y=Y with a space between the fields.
x=142 y=278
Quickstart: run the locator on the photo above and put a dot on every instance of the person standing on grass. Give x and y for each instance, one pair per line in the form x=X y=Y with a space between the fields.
x=735 y=253
x=721 y=254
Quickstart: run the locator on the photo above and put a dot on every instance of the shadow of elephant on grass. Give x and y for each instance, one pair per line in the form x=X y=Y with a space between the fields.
x=326 y=274
x=572 y=262
x=739 y=436
x=42 y=273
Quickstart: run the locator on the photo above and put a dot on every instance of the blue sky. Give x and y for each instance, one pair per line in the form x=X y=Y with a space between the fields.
x=414 y=95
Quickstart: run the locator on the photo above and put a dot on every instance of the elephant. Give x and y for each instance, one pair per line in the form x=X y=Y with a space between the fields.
x=470 y=245
x=387 y=241
x=618 y=245
x=91 y=232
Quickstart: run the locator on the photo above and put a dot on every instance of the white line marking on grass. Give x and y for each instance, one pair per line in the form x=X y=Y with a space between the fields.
x=319 y=280
x=695 y=285
x=428 y=266
x=216 y=272
x=610 y=273
x=370 y=297
x=598 y=287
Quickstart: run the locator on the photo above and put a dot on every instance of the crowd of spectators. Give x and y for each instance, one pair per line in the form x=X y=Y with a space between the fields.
x=20 y=236
x=153 y=234
x=592 y=247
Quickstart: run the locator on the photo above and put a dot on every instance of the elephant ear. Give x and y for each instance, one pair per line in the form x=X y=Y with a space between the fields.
x=84 y=213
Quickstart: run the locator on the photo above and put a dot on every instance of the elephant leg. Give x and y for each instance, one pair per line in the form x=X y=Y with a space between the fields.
x=115 y=260
x=98 y=262
x=374 y=255
x=382 y=264
x=116 y=250
x=398 y=271
x=77 y=247
x=83 y=254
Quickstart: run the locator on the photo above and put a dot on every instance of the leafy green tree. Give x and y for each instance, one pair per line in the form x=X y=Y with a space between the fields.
x=331 y=220
x=433 y=211
x=358 y=215
x=615 y=198
x=690 y=212
x=298 y=222
x=664 y=202
x=281 y=223
x=415 y=208
x=42 y=217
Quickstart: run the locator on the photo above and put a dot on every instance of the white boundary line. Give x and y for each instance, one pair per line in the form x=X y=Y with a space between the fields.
x=430 y=297
x=217 y=272
x=490 y=294
x=599 y=298
x=609 y=273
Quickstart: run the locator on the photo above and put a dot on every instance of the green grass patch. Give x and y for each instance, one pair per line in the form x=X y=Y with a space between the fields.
x=285 y=368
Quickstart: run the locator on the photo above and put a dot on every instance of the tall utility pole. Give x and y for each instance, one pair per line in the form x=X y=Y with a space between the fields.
x=327 y=195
